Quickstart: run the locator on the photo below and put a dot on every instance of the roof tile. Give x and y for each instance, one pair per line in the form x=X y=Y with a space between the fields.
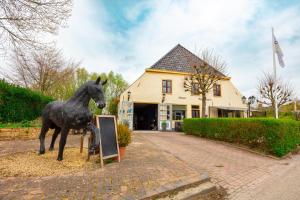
x=178 y=59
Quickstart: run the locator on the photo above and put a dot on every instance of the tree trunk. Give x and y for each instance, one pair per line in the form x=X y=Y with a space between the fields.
x=273 y=108
x=203 y=113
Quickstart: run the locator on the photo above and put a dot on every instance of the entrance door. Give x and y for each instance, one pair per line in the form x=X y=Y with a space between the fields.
x=145 y=116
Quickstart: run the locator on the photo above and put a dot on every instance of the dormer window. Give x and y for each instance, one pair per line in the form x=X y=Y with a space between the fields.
x=167 y=86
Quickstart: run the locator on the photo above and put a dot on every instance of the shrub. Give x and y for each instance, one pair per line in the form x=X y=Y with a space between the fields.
x=164 y=125
x=20 y=104
x=297 y=116
x=277 y=137
x=124 y=135
x=125 y=122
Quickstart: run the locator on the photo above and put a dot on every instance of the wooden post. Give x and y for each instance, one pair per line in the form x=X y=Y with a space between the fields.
x=81 y=143
x=116 y=131
x=89 y=145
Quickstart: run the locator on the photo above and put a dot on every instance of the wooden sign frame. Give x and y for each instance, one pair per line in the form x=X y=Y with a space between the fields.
x=102 y=158
x=116 y=135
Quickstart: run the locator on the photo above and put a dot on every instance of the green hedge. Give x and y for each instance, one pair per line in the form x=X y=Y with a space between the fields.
x=277 y=137
x=19 y=104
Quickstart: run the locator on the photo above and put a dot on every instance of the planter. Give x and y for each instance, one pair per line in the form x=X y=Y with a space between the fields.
x=122 y=151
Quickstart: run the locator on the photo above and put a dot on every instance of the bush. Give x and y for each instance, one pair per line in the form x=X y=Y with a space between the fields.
x=124 y=135
x=20 y=104
x=297 y=116
x=277 y=137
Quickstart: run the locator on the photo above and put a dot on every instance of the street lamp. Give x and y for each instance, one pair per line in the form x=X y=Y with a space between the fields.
x=128 y=95
x=251 y=100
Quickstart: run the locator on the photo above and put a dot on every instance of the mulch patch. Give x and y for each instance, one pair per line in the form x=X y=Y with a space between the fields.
x=28 y=164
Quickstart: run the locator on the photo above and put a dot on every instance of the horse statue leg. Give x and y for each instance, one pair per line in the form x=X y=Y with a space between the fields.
x=44 y=130
x=96 y=137
x=54 y=136
x=62 y=142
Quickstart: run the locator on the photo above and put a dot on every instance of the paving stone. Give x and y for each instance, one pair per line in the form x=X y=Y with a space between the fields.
x=239 y=167
x=145 y=170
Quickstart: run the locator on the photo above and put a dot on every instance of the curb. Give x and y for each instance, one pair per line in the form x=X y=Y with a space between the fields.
x=172 y=189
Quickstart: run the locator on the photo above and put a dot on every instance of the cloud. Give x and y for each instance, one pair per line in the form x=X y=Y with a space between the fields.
x=89 y=39
x=130 y=36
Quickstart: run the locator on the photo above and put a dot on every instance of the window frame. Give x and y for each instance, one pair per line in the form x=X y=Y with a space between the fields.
x=216 y=92
x=195 y=110
x=192 y=91
x=170 y=86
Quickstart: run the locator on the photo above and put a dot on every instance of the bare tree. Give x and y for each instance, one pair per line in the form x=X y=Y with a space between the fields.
x=44 y=70
x=23 y=21
x=204 y=75
x=267 y=91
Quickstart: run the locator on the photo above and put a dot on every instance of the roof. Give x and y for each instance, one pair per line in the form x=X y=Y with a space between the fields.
x=179 y=59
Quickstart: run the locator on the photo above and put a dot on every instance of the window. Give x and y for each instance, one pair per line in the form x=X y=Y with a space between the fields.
x=217 y=90
x=195 y=112
x=178 y=114
x=195 y=89
x=167 y=86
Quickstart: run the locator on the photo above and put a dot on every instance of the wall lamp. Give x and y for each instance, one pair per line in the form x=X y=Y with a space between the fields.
x=163 y=98
x=128 y=95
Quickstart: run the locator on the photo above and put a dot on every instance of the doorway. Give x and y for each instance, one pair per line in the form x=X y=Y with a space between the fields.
x=145 y=116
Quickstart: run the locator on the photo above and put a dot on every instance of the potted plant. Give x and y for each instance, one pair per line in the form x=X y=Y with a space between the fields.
x=124 y=138
x=164 y=125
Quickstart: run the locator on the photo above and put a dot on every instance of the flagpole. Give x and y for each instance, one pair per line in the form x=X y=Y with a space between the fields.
x=275 y=76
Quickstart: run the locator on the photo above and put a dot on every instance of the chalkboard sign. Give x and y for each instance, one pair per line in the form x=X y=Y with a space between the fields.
x=109 y=140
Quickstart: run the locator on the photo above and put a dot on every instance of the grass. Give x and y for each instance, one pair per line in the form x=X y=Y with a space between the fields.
x=24 y=124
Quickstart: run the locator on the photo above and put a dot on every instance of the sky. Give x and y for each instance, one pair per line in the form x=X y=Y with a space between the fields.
x=129 y=36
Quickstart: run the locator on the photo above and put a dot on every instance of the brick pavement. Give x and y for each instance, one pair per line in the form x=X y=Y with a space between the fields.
x=238 y=171
x=144 y=171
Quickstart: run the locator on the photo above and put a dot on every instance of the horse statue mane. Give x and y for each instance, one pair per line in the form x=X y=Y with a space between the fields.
x=72 y=114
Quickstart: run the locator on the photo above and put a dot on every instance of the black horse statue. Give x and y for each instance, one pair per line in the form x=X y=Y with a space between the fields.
x=73 y=114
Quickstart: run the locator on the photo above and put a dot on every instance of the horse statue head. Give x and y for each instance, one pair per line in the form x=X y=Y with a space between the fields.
x=95 y=91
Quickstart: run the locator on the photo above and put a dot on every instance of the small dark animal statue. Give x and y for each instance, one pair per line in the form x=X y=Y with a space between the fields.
x=73 y=114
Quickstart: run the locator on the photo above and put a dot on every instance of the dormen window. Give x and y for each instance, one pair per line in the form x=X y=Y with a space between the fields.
x=217 y=90
x=195 y=89
x=167 y=86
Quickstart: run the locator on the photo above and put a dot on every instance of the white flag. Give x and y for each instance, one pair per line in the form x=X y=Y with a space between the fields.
x=278 y=51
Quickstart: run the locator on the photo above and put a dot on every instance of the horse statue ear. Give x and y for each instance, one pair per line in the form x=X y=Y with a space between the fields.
x=104 y=82
x=98 y=80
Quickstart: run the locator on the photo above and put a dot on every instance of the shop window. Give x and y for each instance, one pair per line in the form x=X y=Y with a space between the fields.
x=178 y=114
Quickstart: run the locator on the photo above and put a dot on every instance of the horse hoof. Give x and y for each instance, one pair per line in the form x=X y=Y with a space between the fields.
x=59 y=159
x=42 y=152
x=51 y=149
